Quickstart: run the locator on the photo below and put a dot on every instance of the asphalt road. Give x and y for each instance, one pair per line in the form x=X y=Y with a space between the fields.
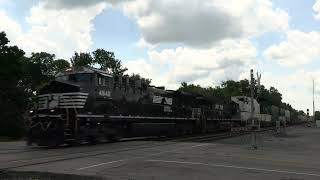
x=292 y=157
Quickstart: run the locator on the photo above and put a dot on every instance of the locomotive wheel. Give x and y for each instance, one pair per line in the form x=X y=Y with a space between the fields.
x=92 y=140
x=53 y=144
x=73 y=143
x=114 y=137
x=28 y=142
x=76 y=142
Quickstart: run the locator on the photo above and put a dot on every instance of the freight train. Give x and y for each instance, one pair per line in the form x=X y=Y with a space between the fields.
x=85 y=104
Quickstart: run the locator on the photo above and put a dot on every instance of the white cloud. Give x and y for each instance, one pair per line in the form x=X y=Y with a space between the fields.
x=316 y=9
x=55 y=31
x=10 y=26
x=226 y=60
x=145 y=69
x=296 y=88
x=4 y=2
x=202 y=23
x=299 y=48
x=143 y=44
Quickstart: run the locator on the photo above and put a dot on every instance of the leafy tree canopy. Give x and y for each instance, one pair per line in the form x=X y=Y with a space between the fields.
x=137 y=76
x=317 y=115
x=107 y=61
x=12 y=95
x=60 y=65
x=81 y=59
x=104 y=59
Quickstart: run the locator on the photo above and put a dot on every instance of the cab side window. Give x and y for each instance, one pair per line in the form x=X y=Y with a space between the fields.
x=101 y=80
x=105 y=81
x=108 y=82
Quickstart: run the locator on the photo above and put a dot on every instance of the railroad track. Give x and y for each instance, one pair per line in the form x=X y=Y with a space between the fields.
x=193 y=137
x=64 y=156
x=38 y=148
x=212 y=136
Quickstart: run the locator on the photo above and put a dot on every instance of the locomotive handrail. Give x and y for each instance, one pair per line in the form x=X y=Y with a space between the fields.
x=47 y=115
x=210 y=119
x=148 y=117
x=89 y=115
x=70 y=93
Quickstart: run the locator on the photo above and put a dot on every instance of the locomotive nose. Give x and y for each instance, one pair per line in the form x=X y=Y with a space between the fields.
x=55 y=112
x=59 y=87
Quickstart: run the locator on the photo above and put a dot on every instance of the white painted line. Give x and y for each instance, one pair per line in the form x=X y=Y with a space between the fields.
x=236 y=167
x=102 y=164
x=174 y=150
x=141 y=157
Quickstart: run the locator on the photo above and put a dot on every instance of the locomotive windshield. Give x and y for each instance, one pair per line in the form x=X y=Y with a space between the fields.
x=80 y=77
x=62 y=78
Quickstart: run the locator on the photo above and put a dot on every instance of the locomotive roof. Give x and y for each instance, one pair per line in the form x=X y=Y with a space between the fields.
x=75 y=70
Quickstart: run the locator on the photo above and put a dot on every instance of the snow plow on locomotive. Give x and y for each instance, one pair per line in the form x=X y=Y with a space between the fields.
x=88 y=105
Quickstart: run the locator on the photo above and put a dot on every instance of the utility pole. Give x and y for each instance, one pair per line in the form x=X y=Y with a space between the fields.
x=314 y=119
x=253 y=131
x=258 y=92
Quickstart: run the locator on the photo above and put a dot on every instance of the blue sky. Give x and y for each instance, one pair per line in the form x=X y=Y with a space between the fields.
x=202 y=42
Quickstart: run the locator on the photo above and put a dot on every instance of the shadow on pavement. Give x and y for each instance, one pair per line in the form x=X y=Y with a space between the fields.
x=12 y=175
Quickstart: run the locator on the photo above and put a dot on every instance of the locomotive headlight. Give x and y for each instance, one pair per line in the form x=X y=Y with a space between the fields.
x=52 y=110
x=31 y=111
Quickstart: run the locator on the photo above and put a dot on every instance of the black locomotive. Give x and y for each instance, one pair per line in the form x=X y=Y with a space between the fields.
x=87 y=105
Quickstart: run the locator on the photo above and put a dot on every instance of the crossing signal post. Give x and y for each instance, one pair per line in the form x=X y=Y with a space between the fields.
x=253 y=132
x=308 y=118
x=254 y=122
x=313 y=107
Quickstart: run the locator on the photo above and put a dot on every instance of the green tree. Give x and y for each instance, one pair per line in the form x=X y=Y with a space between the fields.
x=82 y=59
x=231 y=88
x=300 y=112
x=39 y=69
x=103 y=58
x=317 y=115
x=108 y=62
x=12 y=91
x=60 y=65
x=275 y=96
x=194 y=89
x=244 y=87
x=137 y=76
x=45 y=62
x=117 y=68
